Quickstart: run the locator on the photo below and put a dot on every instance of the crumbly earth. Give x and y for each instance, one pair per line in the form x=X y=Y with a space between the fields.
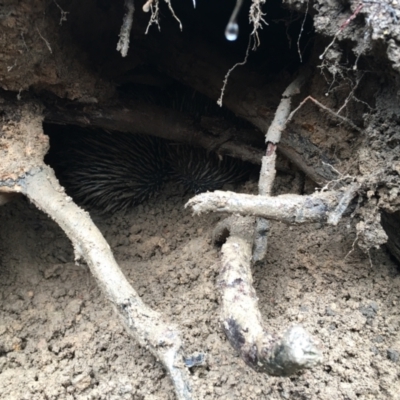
x=59 y=339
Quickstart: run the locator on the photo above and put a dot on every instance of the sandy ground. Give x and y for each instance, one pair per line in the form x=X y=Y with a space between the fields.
x=60 y=340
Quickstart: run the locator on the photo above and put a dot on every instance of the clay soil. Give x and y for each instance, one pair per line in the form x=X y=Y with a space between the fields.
x=59 y=339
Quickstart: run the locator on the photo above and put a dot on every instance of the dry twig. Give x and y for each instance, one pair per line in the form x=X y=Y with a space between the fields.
x=241 y=318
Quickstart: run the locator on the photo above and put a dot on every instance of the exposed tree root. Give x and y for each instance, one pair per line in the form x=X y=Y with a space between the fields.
x=141 y=322
x=241 y=319
x=38 y=182
x=287 y=208
x=251 y=99
x=268 y=169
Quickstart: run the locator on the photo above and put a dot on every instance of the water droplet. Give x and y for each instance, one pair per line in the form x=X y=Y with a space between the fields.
x=232 y=31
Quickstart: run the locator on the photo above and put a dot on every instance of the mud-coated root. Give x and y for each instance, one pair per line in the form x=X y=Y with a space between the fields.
x=241 y=319
x=287 y=208
x=22 y=170
x=142 y=323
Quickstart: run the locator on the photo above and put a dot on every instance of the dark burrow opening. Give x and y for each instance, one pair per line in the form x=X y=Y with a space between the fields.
x=111 y=171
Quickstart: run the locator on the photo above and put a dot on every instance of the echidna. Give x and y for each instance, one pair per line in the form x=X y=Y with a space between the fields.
x=116 y=171
x=107 y=171
x=200 y=171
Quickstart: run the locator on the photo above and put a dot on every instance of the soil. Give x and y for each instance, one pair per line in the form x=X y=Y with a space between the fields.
x=59 y=339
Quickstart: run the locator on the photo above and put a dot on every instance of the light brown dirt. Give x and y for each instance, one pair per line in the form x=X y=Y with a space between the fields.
x=60 y=340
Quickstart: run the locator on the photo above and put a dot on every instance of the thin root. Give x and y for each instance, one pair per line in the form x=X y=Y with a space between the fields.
x=126 y=27
x=327 y=109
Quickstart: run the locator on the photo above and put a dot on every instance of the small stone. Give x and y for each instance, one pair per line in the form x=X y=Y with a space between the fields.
x=330 y=312
x=52 y=271
x=59 y=292
x=195 y=360
x=82 y=381
x=369 y=310
x=332 y=326
x=374 y=350
x=393 y=355
x=378 y=339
